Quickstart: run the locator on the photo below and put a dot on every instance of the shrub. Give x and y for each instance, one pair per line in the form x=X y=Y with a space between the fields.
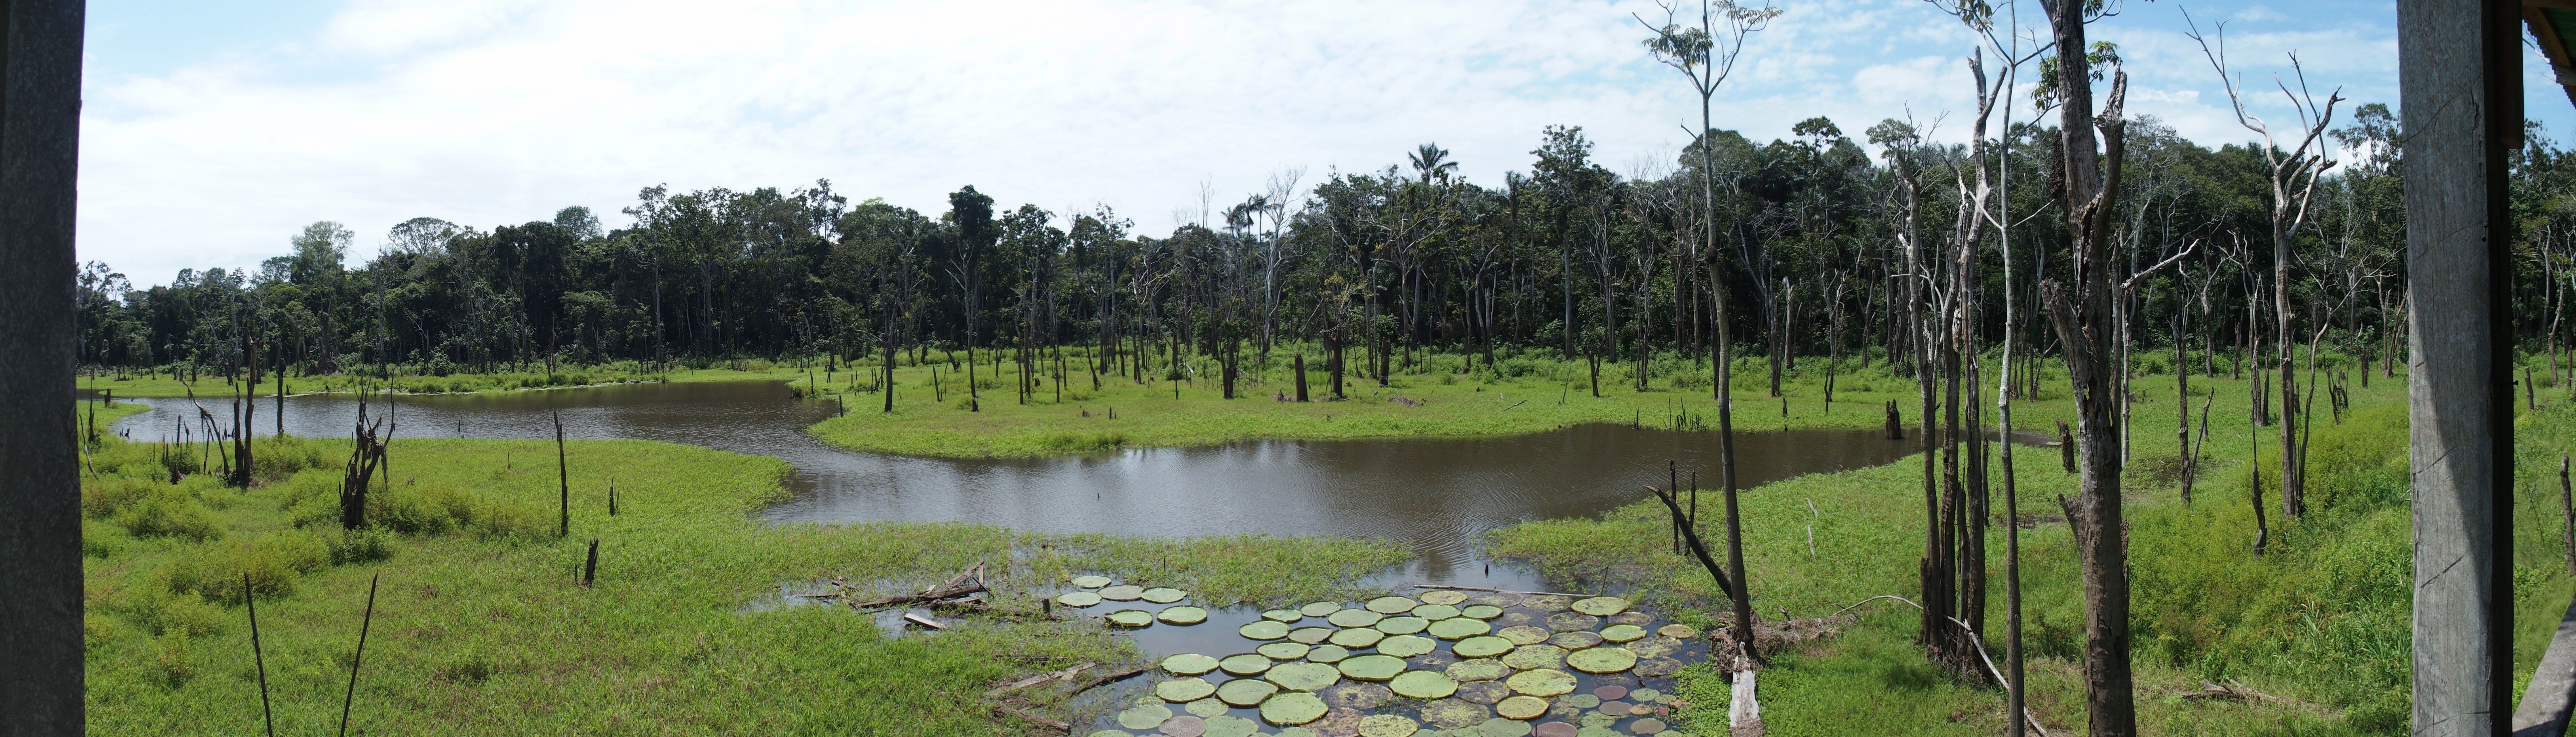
x=101 y=497
x=171 y=512
x=421 y=509
x=170 y=661
x=360 y=546
x=1083 y=442
x=270 y=564
x=161 y=612
x=96 y=631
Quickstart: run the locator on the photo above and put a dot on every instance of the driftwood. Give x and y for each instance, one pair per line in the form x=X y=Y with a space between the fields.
x=1061 y=675
x=924 y=621
x=1497 y=591
x=927 y=596
x=1103 y=678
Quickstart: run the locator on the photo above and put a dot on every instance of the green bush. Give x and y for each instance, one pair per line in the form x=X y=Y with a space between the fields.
x=421 y=509
x=101 y=497
x=365 y=545
x=270 y=565
x=161 y=612
x=170 y=511
x=171 y=661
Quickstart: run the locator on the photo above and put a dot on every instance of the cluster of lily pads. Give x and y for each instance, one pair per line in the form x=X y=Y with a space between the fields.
x=1492 y=665
x=1129 y=592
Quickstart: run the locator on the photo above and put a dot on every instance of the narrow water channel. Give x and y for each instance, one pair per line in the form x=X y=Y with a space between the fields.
x=1435 y=494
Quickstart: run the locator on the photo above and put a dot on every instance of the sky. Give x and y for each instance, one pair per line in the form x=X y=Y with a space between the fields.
x=213 y=132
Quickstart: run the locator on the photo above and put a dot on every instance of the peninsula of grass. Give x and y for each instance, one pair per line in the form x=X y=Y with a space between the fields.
x=481 y=625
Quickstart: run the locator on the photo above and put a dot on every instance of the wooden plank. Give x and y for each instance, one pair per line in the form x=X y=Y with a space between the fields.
x=923 y=621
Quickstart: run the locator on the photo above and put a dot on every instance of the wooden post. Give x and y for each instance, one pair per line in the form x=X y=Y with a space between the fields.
x=2460 y=77
x=2567 y=513
x=363 y=623
x=2066 y=446
x=1895 y=422
x=257 y=660
x=612 y=496
x=1301 y=377
x=563 y=482
x=590 y=565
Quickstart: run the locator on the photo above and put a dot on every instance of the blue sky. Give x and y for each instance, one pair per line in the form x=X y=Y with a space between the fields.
x=213 y=132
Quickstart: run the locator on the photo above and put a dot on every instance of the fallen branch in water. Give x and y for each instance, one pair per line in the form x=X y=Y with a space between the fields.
x=930 y=596
x=1061 y=675
x=1096 y=681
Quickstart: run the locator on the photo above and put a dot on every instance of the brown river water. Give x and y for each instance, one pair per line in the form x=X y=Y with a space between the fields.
x=1437 y=495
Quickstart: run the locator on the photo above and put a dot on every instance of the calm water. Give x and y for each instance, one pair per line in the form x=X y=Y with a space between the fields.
x=1435 y=494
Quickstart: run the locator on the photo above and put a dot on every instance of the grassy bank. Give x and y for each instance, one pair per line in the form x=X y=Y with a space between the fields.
x=481 y=628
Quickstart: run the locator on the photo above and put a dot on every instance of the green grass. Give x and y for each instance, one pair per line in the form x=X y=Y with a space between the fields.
x=480 y=627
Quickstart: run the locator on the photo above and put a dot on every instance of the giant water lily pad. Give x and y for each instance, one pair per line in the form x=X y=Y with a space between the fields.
x=1130 y=617
x=1263 y=630
x=1182 y=615
x=1388 y=725
x=1540 y=682
x=1457 y=627
x=1338 y=722
x=1484 y=692
x=1481 y=646
x=1401 y=625
x=1090 y=582
x=1189 y=664
x=1372 y=667
x=1481 y=611
x=1207 y=708
x=1327 y=653
x=1356 y=695
x=1245 y=692
x=1184 y=689
x=1184 y=726
x=1300 y=731
x=1502 y=727
x=1282 y=650
x=1310 y=635
x=1560 y=729
x=1357 y=637
x=1600 y=606
x=1423 y=684
x=1535 y=656
x=1601 y=659
x=1522 y=707
x=1077 y=598
x=1247 y=664
x=1523 y=634
x=1354 y=618
x=1647 y=726
x=1406 y=646
x=1623 y=633
x=1655 y=647
x=1677 y=631
x=1303 y=676
x=1658 y=667
x=1144 y=716
x=1495 y=599
x=1123 y=593
x=1515 y=619
x=1444 y=598
x=1294 y=707
x=1575 y=640
x=1163 y=595
x=1282 y=615
x=1226 y=726
x=1547 y=602
x=1434 y=612
x=1478 y=670
x=1643 y=695
x=1455 y=714
x=1572 y=622
x=1391 y=605
x=1637 y=618
x=1319 y=609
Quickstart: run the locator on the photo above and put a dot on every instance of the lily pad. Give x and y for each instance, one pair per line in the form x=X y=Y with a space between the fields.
x=1388 y=725
x=1077 y=598
x=1572 y=622
x=1495 y=599
x=1123 y=593
x=1647 y=726
x=1406 y=646
x=1575 y=640
x=1294 y=707
x=1555 y=729
x=1310 y=635
x=1515 y=619
x=1529 y=657
x=1608 y=692
x=1263 y=630
x=1455 y=713
x=1301 y=731
x=1245 y=692
x=1601 y=659
x=1357 y=637
x=1434 y=612
x=1356 y=695
x=1484 y=692
x=1247 y=664
x=1304 y=676
x=1524 y=634
x=1282 y=650
x=1354 y=618
x=1339 y=722
x=1090 y=582
x=1282 y=615
x=1677 y=631
x=1645 y=694
x=1402 y=625
x=1655 y=647
x=1640 y=619
x=1615 y=708
x=1478 y=670
x=1207 y=708
x=1481 y=611
x=1319 y=609
x=1522 y=707
x=1503 y=727
x=1144 y=716
x=1457 y=627
x=1372 y=667
x=1327 y=653
x=1547 y=602
x=1540 y=682
x=1130 y=618
x=1184 y=726
x=1184 y=689
x=1447 y=598
x=1182 y=615
x=1586 y=700
x=1226 y=726
x=1164 y=595
x=1601 y=606
x=1391 y=605
x=1481 y=646
x=1658 y=667
x=1623 y=633
x=1189 y=664
x=1423 y=684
